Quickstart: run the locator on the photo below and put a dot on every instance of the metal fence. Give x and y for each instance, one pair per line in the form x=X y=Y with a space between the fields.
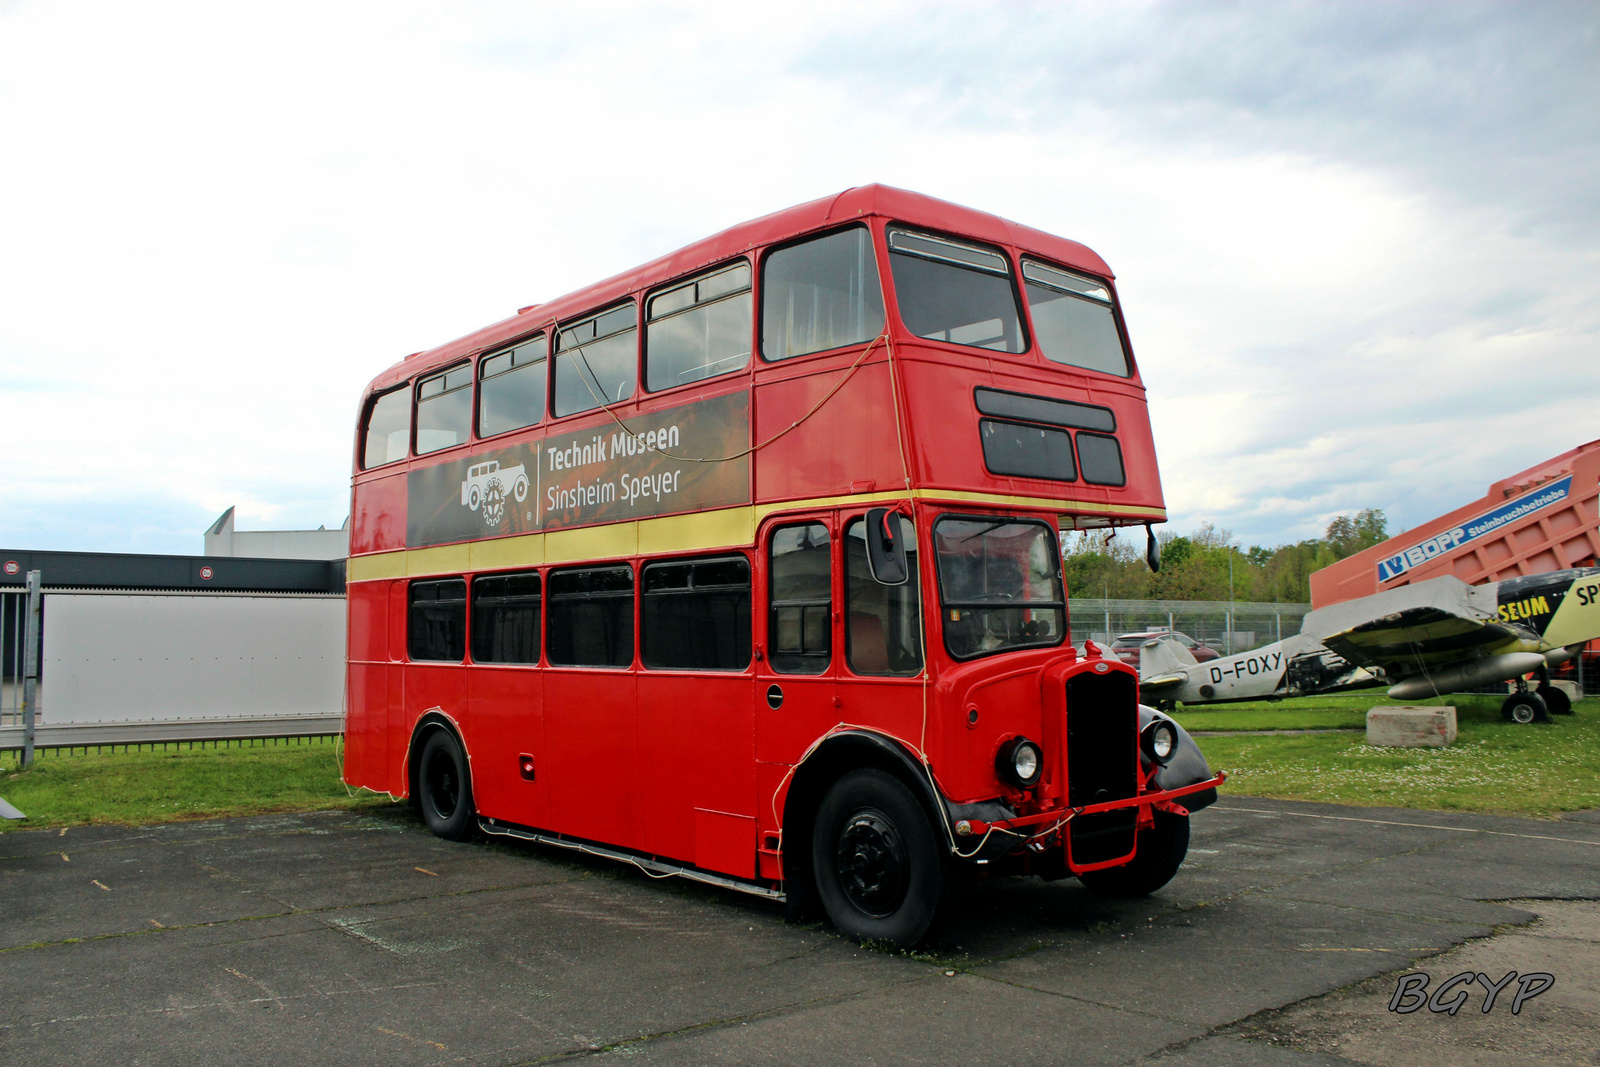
x=166 y=666
x=1227 y=626
x=21 y=613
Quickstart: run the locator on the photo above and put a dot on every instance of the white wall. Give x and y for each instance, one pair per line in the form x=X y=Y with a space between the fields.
x=145 y=657
x=223 y=540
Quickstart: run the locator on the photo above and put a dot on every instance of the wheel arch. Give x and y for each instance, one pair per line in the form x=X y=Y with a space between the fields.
x=430 y=720
x=836 y=756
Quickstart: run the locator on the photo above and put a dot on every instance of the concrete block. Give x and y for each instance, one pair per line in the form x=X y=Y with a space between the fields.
x=1574 y=693
x=1408 y=727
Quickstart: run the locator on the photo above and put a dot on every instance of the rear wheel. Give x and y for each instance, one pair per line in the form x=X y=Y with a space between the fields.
x=881 y=871
x=445 y=788
x=1525 y=708
x=1555 y=700
x=1161 y=850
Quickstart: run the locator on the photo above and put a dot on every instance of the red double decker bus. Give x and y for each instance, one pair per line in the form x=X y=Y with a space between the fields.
x=744 y=566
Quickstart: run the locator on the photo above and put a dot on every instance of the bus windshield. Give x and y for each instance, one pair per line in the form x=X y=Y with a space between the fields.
x=1000 y=585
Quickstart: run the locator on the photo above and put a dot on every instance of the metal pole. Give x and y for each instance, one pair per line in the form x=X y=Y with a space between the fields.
x=30 y=669
x=1230 y=600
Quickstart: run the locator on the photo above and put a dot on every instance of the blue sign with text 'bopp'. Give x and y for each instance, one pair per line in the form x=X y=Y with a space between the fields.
x=1448 y=540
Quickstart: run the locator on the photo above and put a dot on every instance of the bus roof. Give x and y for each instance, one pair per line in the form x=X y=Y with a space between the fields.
x=860 y=202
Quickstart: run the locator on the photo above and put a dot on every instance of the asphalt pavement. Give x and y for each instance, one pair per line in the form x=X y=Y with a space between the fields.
x=337 y=938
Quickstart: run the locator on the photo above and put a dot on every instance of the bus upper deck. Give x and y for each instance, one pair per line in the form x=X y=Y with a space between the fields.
x=867 y=344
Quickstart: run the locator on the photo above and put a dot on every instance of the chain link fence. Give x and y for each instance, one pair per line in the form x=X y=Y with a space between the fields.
x=1225 y=626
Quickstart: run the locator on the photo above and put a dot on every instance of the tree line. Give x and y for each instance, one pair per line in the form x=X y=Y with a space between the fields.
x=1103 y=563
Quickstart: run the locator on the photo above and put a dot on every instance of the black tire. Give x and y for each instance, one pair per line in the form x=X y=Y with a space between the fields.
x=1160 y=853
x=882 y=872
x=1555 y=700
x=444 y=787
x=1525 y=708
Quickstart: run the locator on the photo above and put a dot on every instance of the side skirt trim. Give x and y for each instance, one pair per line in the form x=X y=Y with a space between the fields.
x=653 y=867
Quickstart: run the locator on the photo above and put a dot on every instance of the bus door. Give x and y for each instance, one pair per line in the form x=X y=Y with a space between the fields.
x=591 y=755
x=883 y=637
x=696 y=734
x=506 y=691
x=795 y=672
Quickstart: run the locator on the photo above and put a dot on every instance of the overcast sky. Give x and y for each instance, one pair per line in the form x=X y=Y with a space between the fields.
x=1358 y=245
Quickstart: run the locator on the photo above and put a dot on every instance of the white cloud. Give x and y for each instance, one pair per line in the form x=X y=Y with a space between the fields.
x=1333 y=244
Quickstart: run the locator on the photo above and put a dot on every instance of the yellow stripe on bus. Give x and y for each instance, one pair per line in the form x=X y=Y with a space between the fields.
x=695 y=532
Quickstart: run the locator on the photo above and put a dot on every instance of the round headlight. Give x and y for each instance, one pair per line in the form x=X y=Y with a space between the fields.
x=1025 y=761
x=1020 y=763
x=1160 y=740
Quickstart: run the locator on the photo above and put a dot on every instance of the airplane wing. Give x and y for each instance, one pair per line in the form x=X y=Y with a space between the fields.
x=1415 y=628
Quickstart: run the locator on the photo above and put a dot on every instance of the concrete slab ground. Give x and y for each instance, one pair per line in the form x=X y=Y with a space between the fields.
x=335 y=938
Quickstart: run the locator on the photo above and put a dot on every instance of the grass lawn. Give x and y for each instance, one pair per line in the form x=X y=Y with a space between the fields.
x=1493 y=766
x=153 y=784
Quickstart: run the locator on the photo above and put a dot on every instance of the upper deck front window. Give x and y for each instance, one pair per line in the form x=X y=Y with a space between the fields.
x=957 y=292
x=1073 y=319
x=820 y=294
x=1000 y=585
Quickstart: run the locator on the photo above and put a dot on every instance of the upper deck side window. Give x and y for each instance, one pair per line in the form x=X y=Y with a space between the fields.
x=511 y=388
x=444 y=409
x=955 y=291
x=1073 y=321
x=386 y=435
x=820 y=294
x=699 y=329
x=597 y=360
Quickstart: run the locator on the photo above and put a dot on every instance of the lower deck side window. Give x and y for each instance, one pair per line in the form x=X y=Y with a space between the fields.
x=505 y=618
x=591 y=618
x=696 y=616
x=436 y=624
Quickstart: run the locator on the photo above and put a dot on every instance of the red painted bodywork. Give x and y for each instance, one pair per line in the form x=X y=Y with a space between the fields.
x=1549 y=539
x=692 y=766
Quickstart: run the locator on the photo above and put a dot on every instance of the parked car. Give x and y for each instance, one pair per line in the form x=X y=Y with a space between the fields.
x=1127 y=646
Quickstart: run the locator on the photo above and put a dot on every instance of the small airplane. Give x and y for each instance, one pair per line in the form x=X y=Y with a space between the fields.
x=1426 y=639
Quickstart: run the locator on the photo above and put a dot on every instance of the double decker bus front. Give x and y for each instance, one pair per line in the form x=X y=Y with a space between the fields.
x=1026 y=419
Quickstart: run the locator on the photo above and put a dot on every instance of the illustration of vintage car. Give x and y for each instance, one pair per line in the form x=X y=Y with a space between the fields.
x=487 y=484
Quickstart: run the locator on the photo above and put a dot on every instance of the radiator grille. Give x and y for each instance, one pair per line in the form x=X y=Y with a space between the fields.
x=1102 y=763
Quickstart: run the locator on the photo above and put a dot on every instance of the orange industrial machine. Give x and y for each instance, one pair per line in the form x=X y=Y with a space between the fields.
x=1542 y=519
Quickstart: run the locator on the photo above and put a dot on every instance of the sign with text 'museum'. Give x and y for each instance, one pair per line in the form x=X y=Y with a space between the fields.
x=664 y=463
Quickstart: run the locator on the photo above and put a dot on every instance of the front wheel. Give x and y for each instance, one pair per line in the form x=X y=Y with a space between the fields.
x=881 y=871
x=1161 y=850
x=445 y=788
x=1525 y=708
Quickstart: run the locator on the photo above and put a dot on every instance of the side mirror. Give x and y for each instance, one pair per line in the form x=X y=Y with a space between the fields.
x=1152 y=550
x=886 y=549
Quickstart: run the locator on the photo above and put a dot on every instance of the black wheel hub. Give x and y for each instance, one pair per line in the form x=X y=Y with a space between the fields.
x=871 y=863
x=444 y=787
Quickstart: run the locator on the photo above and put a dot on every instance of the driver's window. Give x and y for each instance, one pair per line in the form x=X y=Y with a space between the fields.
x=883 y=627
